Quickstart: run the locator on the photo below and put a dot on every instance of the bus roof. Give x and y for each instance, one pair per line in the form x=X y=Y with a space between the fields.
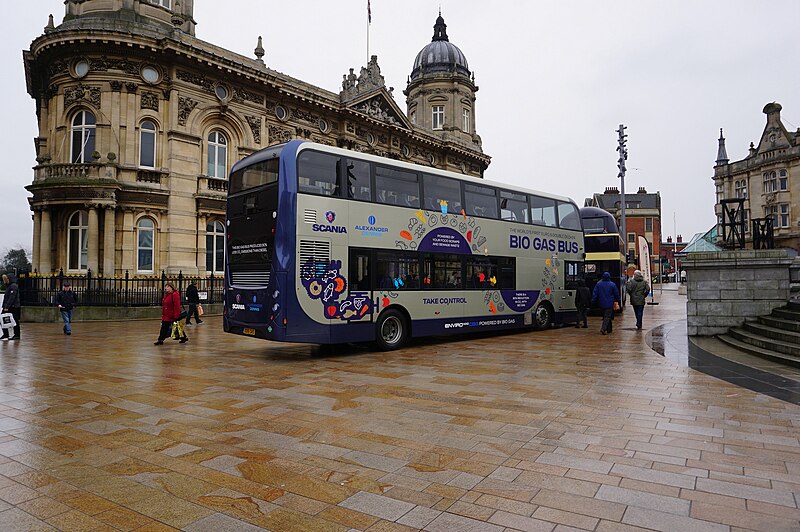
x=271 y=151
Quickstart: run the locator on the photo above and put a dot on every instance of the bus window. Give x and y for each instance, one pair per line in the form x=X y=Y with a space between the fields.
x=358 y=183
x=513 y=207
x=253 y=176
x=568 y=217
x=480 y=201
x=396 y=187
x=543 y=211
x=443 y=271
x=484 y=273
x=397 y=271
x=442 y=194
x=318 y=173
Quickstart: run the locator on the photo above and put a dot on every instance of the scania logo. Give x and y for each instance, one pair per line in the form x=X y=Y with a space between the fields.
x=330 y=216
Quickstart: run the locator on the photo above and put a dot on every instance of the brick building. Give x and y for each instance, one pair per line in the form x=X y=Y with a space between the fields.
x=642 y=218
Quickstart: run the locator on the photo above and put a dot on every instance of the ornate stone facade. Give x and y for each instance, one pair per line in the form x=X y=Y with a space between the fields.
x=138 y=129
x=768 y=180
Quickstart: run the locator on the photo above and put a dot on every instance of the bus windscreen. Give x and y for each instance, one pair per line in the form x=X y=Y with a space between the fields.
x=256 y=175
x=601 y=243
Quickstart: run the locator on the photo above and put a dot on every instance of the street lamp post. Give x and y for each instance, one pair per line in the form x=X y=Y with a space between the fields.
x=623 y=156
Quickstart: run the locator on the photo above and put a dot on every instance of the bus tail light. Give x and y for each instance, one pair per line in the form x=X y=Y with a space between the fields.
x=284 y=322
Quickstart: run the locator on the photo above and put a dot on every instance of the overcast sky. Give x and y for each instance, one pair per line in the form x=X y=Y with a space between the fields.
x=556 y=79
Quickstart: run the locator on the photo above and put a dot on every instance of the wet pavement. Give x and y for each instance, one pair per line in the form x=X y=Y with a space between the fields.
x=555 y=430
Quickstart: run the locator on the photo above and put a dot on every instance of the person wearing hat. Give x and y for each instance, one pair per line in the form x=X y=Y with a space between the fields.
x=66 y=302
x=193 y=299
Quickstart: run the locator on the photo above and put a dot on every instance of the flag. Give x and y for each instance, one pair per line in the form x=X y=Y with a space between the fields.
x=369 y=13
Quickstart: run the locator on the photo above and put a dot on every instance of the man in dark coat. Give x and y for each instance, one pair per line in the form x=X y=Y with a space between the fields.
x=66 y=302
x=11 y=303
x=583 y=299
x=193 y=298
x=605 y=295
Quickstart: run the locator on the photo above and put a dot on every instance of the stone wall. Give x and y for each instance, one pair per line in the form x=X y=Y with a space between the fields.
x=52 y=314
x=725 y=288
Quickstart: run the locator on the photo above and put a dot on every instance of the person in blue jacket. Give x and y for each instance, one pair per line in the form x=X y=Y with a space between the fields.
x=605 y=294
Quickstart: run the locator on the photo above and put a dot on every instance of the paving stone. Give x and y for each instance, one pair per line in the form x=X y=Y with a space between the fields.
x=666 y=522
x=447 y=522
x=377 y=505
x=643 y=500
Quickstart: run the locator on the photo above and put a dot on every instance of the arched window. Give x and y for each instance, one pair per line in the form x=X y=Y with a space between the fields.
x=147 y=144
x=145 y=238
x=215 y=247
x=78 y=241
x=217 y=155
x=83 y=136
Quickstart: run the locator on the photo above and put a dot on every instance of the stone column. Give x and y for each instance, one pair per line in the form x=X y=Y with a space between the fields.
x=202 y=220
x=93 y=253
x=45 y=246
x=128 y=245
x=37 y=231
x=109 y=241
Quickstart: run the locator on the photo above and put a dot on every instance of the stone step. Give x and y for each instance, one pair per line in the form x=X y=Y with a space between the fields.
x=779 y=323
x=786 y=313
x=793 y=304
x=759 y=352
x=762 y=342
x=773 y=333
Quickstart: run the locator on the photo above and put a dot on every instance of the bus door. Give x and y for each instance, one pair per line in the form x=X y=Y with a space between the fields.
x=359 y=279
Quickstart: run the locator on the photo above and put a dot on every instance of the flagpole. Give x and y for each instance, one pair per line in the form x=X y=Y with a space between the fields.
x=369 y=16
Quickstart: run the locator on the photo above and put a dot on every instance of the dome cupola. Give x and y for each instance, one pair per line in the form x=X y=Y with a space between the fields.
x=440 y=55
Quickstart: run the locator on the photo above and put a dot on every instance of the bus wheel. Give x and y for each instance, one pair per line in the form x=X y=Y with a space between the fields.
x=391 y=330
x=543 y=316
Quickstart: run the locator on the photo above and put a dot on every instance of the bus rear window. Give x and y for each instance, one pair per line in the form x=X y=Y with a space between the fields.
x=256 y=175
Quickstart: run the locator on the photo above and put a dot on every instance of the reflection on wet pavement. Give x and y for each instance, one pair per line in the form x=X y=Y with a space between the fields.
x=561 y=428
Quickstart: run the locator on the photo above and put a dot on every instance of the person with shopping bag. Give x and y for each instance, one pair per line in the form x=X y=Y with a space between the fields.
x=11 y=305
x=170 y=313
x=66 y=302
x=193 y=299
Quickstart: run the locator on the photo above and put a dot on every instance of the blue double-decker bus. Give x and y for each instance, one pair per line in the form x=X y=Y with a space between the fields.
x=326 y=245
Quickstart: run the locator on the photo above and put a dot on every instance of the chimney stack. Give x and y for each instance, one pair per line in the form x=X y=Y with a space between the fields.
x=642 y=191
x=669 y=240
x=680 y=239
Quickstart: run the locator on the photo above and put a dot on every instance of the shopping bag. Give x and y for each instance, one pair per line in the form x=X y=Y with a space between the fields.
x=199 y=310
x=176 y=333
x=7 y=321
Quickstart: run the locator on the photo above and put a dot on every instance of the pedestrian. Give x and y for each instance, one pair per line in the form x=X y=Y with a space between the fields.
x=606 y=296
x=583 y=299
x=638 y=289
x=66 y=301
x=193 y=298
x=170 y=313
x=11 y=303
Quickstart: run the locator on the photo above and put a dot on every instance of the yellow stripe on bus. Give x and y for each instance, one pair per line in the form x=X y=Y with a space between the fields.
x=609 y=255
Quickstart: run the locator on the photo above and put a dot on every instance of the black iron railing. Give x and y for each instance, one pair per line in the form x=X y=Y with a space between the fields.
x=117 y=291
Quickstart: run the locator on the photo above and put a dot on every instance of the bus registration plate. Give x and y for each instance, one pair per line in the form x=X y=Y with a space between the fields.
x=250 y=332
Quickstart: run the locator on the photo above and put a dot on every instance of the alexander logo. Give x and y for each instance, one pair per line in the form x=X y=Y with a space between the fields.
x=371 y=229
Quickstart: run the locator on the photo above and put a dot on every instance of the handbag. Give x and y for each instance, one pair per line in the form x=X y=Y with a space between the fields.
x=616 y=306
x=199 y=309
x=7 y=321
x=182 y=315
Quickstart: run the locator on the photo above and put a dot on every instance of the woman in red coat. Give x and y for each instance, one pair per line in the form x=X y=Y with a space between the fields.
x=170 y=313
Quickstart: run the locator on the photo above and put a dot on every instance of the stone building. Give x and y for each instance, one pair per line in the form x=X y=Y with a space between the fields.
x=140 y=122
x=642 y=217
x=768 y=180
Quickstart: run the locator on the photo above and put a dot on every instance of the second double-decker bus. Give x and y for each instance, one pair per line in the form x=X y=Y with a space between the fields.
x=326 y=245
x=605 y=249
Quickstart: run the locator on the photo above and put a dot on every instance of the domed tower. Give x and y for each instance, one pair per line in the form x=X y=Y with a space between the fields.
x=441 y=90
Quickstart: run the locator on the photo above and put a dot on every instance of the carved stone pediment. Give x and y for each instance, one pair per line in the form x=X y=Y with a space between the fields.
x=380 y=107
